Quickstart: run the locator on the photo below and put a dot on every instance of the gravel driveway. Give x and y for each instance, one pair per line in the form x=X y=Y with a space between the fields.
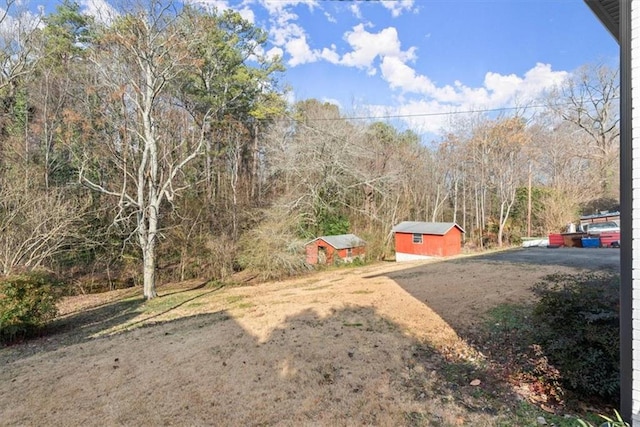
x=582 y=258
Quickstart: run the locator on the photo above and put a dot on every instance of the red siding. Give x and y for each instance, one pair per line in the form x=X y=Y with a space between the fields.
x=344 y=253
x=313 y=252
x=608 y=239
x=556 y=239
x=432 y=245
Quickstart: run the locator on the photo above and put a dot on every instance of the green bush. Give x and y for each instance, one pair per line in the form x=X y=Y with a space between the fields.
x=27 y=303
x=609 y=422
x=576 y=323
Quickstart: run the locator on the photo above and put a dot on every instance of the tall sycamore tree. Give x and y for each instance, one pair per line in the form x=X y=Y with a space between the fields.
x=152 y=131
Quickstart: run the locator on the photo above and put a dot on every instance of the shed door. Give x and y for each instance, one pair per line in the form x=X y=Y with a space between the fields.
x=322 y=254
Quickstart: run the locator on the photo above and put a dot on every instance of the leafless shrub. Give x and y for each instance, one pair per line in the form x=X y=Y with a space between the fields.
x=271 y=249
x=36 y=226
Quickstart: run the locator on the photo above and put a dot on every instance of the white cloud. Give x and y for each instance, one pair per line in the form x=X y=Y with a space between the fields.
x=500 y=90
x=355 y=9
x=276 y=7
x=400 y=76
x=101 y=10
x=398 y=6
x=220 y=6
x=497 y=89
x=421 y=116
x=274 y=52
x=300 y=52
x=16 y=25
x=330 y=18
x=367 y=46
x=541 y=76
x=286 y=34
x=211 y=5
x=247 y=14
x=332 y=101
x=330 y=55
x=432 y=112
x=290 y=97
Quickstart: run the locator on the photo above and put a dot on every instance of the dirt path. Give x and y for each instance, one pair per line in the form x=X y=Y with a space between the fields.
x=369 y=345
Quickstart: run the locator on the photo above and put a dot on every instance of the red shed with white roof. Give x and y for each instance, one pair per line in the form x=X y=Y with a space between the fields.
x=423 y=240
x=330 y=249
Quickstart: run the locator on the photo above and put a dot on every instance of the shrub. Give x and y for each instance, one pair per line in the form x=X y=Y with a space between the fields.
x=27 y=303
x=271 y=250
x=577 y=325
x=609 y=422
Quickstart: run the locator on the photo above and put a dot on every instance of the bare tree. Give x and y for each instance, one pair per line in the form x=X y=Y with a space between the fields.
x=18 y=27
x=137 y=60
x=484 y=160
x=17 y=30
x=313 y=163
x=561 y=169
x=507 y=165
x=589 y=101
x=36 y=226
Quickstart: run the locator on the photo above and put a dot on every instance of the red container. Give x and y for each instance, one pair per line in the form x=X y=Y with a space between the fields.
x=556 y=240
x=610 y=239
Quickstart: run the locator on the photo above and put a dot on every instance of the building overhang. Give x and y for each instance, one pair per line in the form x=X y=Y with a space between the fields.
x=608 y=12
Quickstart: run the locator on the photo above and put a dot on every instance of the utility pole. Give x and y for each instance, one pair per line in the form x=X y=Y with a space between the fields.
x=529 y=204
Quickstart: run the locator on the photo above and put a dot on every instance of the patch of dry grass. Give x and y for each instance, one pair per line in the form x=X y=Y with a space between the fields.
x=362 y=349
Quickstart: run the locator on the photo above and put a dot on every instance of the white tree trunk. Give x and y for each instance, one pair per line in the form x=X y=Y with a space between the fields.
x=149 y=270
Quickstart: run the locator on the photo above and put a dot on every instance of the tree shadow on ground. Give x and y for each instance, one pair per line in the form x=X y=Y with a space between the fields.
x=593 y=259
x=85 y=324
x=459 y=288
x=463 y=291
x=348 y=367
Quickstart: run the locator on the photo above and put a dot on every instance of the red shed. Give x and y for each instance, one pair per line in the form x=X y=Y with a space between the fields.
x=422 y=240
x=330 y=249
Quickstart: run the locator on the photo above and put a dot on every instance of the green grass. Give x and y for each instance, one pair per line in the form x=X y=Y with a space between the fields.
x=315 y=288
x=526 y=414
x=509 y=317
x=245 y=305
x=239 y=301
x=510 y=326
x=166 y=302
x=232 y=299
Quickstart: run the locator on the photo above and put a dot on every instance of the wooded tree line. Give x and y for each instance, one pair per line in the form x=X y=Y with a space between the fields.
x=158 y=142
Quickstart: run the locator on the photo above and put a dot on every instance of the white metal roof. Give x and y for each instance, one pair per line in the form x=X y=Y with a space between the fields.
x=419 y=227
x=342 y=241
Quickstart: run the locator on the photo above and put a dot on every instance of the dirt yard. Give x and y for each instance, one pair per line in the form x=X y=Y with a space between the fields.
x=371 y=345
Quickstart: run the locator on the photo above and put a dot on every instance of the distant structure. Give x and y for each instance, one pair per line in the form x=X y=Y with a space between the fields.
x=600 y=217
x=332 y=249
x=422 y=240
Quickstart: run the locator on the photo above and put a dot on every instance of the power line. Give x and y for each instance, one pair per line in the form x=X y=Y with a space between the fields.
x=444 y=113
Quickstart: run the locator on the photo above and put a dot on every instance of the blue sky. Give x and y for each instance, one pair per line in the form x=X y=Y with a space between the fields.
x=413 y=57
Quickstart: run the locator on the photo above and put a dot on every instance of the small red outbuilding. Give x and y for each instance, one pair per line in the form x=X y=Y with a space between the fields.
x=422 y=240
x=330 y=249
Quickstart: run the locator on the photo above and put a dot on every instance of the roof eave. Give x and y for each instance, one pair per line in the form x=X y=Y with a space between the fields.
x=604 y=10
x=413 y=231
